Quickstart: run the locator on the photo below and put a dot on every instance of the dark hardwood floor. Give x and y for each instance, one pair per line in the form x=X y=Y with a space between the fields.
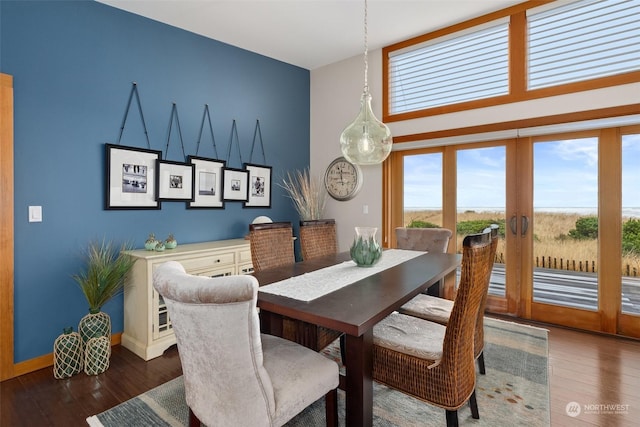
x=585 y=368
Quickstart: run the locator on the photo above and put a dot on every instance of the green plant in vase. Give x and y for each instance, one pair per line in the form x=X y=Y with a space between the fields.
x=106 y=267
x=365 y=250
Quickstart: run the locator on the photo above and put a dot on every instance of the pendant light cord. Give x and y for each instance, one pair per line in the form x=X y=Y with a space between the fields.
x=366 y=50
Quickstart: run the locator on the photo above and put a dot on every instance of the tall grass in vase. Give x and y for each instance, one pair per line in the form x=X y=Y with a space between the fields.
x=106 y=267
x=307 y=193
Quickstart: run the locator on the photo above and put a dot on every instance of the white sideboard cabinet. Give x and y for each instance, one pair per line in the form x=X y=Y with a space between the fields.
x=147 y=326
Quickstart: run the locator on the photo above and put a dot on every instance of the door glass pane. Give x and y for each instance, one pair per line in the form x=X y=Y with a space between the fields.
x=481 y=201
x=630 y=224
x=565 y=223
x=423 y=190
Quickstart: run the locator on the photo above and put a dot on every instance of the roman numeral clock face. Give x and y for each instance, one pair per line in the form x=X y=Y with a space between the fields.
x=343 y=179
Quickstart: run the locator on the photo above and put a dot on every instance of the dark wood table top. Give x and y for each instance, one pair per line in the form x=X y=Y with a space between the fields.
x=356 y=308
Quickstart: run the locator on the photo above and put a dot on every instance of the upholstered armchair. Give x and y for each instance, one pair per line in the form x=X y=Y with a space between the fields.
x=423 y=239
x=233 y=374
x=434 y=240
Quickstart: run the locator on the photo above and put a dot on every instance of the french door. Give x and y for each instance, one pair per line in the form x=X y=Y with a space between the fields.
x=569 y=210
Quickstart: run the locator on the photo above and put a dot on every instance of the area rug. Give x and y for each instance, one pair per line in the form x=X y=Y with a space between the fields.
x=514 y=392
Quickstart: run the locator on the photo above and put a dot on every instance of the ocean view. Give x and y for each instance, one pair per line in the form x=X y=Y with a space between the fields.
x=628 y=212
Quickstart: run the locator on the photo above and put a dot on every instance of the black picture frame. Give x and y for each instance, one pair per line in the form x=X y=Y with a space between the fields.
x=207 y=183
x=130 y=177
x=235 y=185
x=174 y=181
x=259 y=192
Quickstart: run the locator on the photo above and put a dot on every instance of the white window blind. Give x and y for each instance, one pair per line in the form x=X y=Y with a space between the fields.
x=583 y=40
x=464 y=68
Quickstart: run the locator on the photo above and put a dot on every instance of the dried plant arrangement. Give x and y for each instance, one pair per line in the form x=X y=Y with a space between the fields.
x=307 y=193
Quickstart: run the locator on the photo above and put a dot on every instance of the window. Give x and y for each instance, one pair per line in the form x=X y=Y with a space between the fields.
x=516 y=54
x=583 y=40
x=422 y=189
x=467 y=67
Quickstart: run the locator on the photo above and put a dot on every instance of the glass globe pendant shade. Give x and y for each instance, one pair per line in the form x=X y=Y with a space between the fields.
x=366 y=141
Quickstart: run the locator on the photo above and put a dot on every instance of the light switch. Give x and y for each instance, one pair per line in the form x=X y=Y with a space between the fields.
x=35 y=213
x=365 y=209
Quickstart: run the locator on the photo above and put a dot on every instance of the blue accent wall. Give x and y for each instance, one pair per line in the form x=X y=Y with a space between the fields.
x=73 y=64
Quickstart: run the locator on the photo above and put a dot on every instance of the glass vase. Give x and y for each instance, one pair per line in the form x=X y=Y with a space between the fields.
x=94 y=325
x=67 y=354
x=96 y=355
x=365 y=250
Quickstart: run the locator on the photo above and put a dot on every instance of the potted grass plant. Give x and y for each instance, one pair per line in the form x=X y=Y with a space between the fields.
x=106 y=266
x=307 y=194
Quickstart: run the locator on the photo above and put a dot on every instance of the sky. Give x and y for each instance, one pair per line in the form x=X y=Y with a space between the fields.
x=565 y=176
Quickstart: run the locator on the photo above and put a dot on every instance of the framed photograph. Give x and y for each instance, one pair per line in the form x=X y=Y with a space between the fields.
x=207 y=183
x=235 y=184
x=175 y=181
x=259 y=186
x=131 y=177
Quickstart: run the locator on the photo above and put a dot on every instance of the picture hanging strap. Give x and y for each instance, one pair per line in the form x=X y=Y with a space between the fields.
x=174 y=112
x=234 y=132
x=213 y=139
x=134 y=90
x=258 y=133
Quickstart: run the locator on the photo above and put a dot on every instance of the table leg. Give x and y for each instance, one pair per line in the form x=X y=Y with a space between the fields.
x=359 y=387
x=270 y=323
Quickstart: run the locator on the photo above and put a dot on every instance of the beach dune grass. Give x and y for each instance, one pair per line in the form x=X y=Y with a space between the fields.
x=551 y=237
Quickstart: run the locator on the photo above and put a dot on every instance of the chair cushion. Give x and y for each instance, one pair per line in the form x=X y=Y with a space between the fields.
x=299 y=376
x=410 y=335
x=429 y=308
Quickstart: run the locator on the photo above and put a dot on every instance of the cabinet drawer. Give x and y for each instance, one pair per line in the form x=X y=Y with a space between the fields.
x=207 y=262
x=220 y=272
x=245 y=257
x=245 y=269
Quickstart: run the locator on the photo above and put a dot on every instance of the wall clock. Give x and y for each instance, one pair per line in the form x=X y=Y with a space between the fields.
x=343 y=179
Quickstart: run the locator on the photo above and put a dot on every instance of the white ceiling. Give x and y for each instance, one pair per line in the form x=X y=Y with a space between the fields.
x=309 y=33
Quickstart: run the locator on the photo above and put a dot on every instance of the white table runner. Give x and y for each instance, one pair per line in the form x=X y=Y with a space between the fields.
x=315 y=284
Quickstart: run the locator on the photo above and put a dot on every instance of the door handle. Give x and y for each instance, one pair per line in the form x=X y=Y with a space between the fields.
x=524 y=224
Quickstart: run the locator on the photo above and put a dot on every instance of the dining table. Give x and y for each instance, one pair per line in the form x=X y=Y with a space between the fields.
x=344 y=297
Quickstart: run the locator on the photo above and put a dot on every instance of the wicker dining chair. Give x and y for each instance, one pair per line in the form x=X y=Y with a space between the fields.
x=318 y=238
x=271 y=245
x=439 y=309
x=432 y=362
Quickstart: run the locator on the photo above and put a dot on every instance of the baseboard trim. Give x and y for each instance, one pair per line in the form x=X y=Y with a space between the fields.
x=46 y=360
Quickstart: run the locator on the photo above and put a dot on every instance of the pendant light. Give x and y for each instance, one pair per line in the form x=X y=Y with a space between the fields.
x=366 y=141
